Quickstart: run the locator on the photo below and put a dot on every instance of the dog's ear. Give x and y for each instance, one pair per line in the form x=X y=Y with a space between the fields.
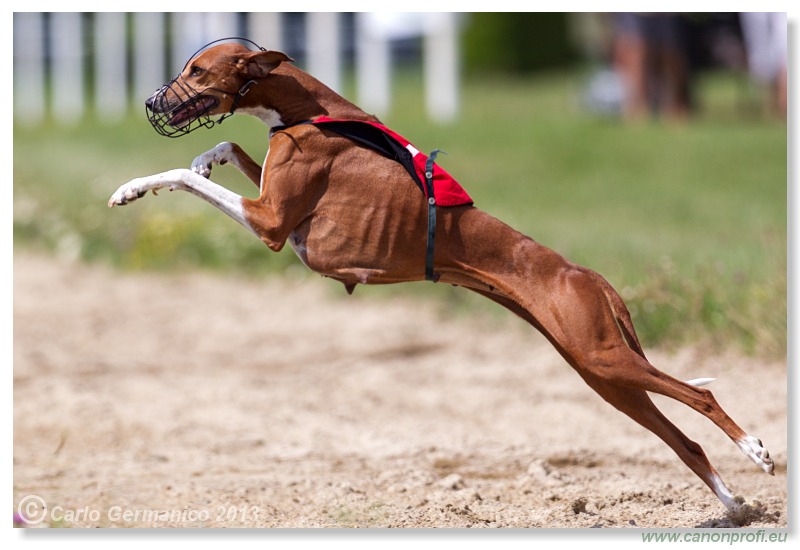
x=260 y=64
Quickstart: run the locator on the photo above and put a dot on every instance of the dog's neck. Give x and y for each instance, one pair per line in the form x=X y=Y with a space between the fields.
x=289 y=95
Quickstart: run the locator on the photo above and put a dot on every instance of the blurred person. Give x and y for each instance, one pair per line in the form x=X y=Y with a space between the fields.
x=650 y=55
x=765 y=40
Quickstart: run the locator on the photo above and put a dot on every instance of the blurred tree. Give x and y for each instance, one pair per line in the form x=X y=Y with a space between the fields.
x=517 y=42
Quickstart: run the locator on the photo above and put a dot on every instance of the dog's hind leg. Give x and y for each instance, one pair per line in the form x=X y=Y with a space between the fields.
x=585 y=320
x=638 y=406
x=637 y=373
x=596 y=347
x=624 y=381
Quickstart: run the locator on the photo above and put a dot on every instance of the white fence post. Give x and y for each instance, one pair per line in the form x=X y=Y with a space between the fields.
x=67 y=55
x=29 y=98
x=324 y=49
x=440 y=59
x=265 y=29
x=111 y=74
x=148 y=56
x=373 y=65
x=190 y=31
x=441 y=66
x=220 y=25
x=187 y=37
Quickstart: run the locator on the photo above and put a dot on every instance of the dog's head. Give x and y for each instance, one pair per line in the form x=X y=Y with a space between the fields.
x=211 y=83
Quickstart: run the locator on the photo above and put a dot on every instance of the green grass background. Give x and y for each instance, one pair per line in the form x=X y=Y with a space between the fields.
x=687 y=221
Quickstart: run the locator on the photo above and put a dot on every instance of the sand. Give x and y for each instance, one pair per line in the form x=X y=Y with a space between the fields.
x=157 y=400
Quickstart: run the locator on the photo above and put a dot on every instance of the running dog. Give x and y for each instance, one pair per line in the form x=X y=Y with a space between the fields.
x=361 y=205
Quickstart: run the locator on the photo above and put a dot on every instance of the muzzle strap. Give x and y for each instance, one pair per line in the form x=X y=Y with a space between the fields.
x=242 y=92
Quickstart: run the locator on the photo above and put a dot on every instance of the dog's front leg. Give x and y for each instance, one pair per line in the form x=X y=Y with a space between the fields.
x=224 y=153
x=223 y=199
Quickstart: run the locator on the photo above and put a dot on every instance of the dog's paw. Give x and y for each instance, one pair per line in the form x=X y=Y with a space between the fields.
x=753 y=448
x=126 y=193
x=137 y=188
x=202 y=166
x=221 y=154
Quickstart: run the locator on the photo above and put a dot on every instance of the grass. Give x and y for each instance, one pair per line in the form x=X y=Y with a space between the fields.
x=688 y=221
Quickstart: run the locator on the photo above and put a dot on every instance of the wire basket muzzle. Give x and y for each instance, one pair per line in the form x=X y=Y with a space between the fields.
x=178 y=109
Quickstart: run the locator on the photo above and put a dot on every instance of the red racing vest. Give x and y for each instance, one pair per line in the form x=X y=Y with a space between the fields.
x=446 y=190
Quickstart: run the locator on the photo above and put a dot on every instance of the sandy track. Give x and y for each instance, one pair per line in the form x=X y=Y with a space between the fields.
x=152 y=400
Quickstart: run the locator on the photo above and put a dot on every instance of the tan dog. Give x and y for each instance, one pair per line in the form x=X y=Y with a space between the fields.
x=356 y=216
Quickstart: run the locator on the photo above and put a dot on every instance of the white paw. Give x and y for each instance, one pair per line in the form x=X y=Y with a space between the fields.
x=127 y=193
x=754 y=449
x=220 y=154
x=138 y=187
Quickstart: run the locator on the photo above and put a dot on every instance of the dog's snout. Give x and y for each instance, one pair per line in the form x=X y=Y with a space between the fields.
x=154 y=101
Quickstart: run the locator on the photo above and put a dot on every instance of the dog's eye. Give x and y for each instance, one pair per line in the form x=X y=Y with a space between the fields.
x=196 y=71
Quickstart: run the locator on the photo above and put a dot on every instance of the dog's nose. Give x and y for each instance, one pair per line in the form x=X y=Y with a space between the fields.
x=154 y=101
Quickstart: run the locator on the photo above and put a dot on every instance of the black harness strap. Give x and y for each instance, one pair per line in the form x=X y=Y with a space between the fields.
x=275 y=129
x=382 y=143
x=429 y=274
